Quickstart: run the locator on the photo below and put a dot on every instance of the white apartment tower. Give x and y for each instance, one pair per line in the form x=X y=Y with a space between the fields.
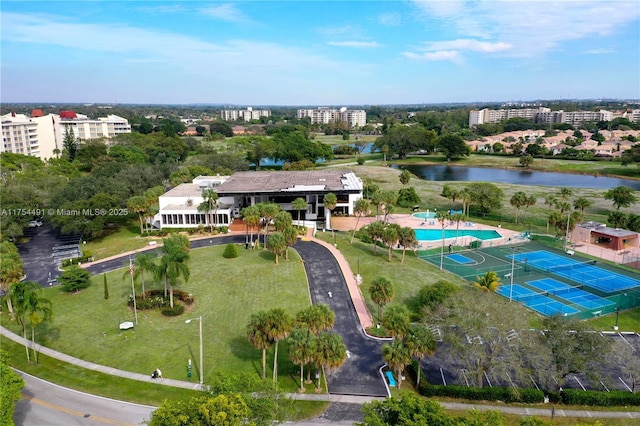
x=323 y=115
x=244 y=114
x=537 y=115
x=40 y=136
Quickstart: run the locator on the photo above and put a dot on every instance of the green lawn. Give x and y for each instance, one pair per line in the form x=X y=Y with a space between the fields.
x=227 y=292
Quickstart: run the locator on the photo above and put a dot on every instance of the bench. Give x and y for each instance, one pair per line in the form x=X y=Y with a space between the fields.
x=570 y=252
x=392 y=381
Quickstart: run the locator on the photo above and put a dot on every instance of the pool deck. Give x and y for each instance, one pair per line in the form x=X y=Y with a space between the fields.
x=407 y=220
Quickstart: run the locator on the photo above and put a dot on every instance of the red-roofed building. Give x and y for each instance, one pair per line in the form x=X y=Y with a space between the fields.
x=37 y=113
x=68 y=114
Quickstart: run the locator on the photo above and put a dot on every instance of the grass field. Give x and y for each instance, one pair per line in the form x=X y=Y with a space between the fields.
x=226 y=291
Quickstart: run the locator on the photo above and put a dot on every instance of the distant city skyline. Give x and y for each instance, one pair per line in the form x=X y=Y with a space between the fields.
x=318 y=53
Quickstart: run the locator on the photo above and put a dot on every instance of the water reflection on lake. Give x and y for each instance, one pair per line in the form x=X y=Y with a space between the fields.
x=519 y=177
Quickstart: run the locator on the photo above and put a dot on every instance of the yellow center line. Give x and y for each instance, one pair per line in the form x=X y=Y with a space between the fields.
x=73 y=412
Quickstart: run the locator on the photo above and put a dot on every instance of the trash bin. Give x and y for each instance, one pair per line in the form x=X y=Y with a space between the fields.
x=475 y=244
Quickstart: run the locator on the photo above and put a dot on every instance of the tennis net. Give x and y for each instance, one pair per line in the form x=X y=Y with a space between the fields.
x=570 y=266
x=565 y=290
x=529 y=296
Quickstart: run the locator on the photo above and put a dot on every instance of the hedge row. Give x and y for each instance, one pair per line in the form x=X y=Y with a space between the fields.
x=601 y=399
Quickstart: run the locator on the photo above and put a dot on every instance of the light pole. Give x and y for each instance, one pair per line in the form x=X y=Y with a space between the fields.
x=513 y=260
x=566 y=237
x=201 y=357
x=615 y=327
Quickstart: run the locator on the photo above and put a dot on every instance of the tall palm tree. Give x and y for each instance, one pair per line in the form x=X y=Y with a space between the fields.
x=406 y=238
x=268 y=211
x=581 y=203
x=277 y=244
x=37 y=309
x=457 y=218
x=397 y=356
x=22 y=295
x=518 y=200
x=565 y=193
x=330 y=352
x=315 y=319
x=282 y=220
x=251 y=217
x=290 y=237
x=11 y=269
x=173 y=262
x=361 y=208
x=375 y=231
x=421 y=343
x=381 y=292
x=278 y=326
x=443 y=217
x=139 y=205
x=258 y=336
x=530 y=201
x=210 y=197
x=301 y=348
x=330 y=202
x=488 y=282
x=390 y=236
x=396 y=320
x=299 y=204
x=143 y=263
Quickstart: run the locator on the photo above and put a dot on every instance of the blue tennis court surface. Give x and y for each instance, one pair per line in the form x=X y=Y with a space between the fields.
x=460 y=258
x=583 y=273
x=536 y=301
x=574 y=295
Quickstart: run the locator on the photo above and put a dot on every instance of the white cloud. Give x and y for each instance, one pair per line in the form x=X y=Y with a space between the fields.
x=468 y=44
x=356 y=44
x=225 y=12
x=390 y=19
x=532 y=28
x=442 y=55
x=599 y=51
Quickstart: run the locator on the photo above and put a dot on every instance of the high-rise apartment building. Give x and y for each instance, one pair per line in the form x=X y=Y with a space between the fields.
x=538 y=115
x=39 y=136
x=244 y=114
x=324 y=115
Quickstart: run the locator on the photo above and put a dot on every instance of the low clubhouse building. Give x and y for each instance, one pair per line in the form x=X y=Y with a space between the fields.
x=179 y=207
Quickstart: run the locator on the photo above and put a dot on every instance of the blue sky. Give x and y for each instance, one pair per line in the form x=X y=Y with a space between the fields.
x=318 y=53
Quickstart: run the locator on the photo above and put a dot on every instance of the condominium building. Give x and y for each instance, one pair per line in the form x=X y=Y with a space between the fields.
x=244 y=114
x=324 y=115
x=41 y=135
x=538 y=115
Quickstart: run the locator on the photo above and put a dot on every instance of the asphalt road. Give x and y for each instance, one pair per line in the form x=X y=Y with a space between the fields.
x=37 y=254
x=359 y=375
x=45 y=403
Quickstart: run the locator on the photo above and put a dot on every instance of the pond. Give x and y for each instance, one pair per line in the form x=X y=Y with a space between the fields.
x=519 y=177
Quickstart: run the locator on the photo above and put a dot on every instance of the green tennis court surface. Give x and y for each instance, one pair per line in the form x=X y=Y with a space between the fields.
x=551 y=282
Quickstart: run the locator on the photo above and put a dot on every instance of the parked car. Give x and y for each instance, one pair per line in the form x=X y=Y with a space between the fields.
x=35 y=223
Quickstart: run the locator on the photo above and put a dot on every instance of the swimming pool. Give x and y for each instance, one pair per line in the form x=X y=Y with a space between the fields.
x=436 y=234
x=425 y=215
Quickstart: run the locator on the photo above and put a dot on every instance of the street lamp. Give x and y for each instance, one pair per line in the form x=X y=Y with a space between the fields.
x=615 y=327
x=201 y=362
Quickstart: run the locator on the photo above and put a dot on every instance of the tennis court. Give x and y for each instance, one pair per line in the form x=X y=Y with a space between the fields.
x=582 y=272
x=536 y=301
x=460 y=258
x=572 y=294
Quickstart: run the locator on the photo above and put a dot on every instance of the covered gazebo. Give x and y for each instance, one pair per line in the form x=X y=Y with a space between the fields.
x=600 y=234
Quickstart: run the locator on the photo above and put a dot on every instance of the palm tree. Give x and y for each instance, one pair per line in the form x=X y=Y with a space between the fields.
x=550 y=201
x=375 y=231
x=518 y=200
x=173 y=262
x=397 y=356
x=330 y=202
x=389 y=198
x=37 y=309
x=210 y=197
x=361 y=208
x=282 y=220
x=420 y=343
x=457 y=218
x=330 y=352
x=290 y=237
x=139 y=205
x=299 y=204
x=251 y=216
x=396 y=320
x=488 y=282
x=406 y=238
x=531 y=201
x=443 y=217
x=376 y=200
x=11 y=269
x=315 y=319
x=565 y=193
x=258 y=336
x=278 y=326
x=301 y=348
x=389 y=238
x=268 y=211
x=381 y=292
x=466 y=197
x=24 y=297
x=276 y=244
x=581 y=203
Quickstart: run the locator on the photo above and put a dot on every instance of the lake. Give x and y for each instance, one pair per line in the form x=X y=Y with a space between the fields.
x=518 y=177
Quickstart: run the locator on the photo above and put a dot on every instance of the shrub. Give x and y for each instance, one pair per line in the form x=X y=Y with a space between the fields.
x=172 y=312
x=230 y=251
x=602 y=399
x=74 y=278
x=408 y=197
x=361 y=160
